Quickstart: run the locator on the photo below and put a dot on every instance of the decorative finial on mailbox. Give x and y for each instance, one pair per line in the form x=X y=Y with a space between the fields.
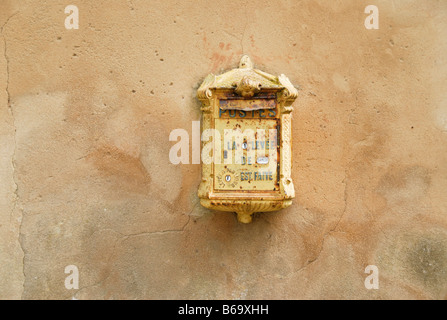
x=245 y=63
x=247 y=87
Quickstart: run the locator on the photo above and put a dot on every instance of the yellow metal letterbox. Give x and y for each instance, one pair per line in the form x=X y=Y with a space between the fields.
x=246 y=141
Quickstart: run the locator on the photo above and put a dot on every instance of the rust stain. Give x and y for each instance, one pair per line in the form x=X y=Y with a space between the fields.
x=219 y=60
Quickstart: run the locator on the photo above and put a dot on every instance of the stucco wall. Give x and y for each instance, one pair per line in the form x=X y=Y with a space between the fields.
x=85 y=118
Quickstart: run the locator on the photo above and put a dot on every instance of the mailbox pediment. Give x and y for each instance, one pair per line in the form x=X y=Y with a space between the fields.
x=247 y=82
x=231 y=79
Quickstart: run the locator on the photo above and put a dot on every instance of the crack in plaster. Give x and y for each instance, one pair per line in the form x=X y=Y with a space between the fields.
x=157 y=232
x=245 y=28
x=11 y=112
x=125 y=237
x=332 y=230
x=13 y=156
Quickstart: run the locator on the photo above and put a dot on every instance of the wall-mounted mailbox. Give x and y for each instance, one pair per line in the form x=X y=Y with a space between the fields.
x=246 y=128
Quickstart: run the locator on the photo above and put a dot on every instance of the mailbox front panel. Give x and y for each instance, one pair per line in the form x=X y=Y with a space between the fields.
x=249 y=147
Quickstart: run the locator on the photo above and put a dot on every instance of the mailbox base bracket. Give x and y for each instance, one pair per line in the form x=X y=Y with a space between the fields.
x=245 y=208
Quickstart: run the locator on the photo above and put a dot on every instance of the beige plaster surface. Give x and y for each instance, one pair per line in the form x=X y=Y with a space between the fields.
x=85 y=118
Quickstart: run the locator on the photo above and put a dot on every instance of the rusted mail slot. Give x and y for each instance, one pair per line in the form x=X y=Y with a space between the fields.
x=246 y=141
x=247 y=105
